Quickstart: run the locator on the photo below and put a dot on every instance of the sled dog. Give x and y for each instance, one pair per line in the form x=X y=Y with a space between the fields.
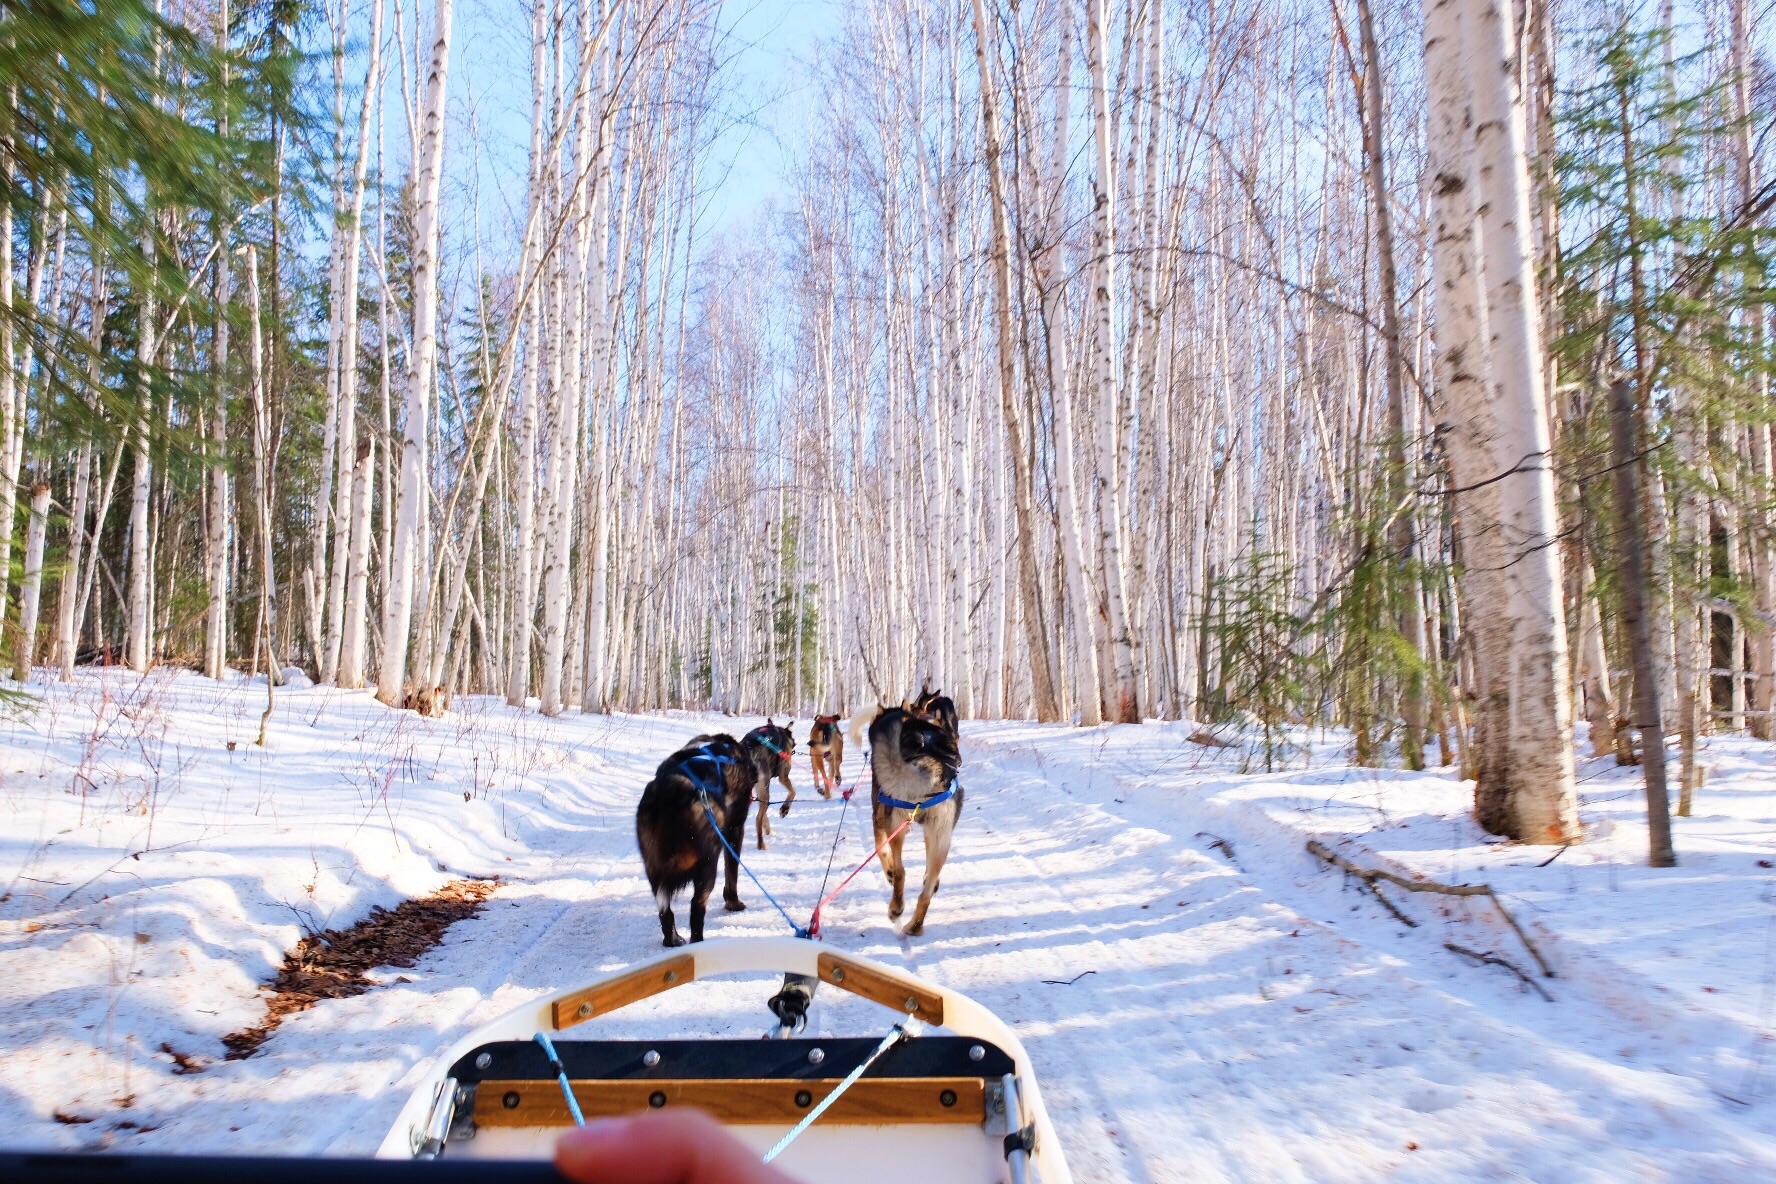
x=915 y=769
x=704 y=785
x=826 y=749
x=938 y=708
x=770 y=748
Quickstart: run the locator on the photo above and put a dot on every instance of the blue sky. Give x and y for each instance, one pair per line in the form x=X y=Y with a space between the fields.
x=771 y=41
x=778 y=39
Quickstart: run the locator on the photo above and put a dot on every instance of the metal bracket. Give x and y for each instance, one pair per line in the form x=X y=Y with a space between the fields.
x=462 y=1123
x=430 y=1142
x=1021 y=1140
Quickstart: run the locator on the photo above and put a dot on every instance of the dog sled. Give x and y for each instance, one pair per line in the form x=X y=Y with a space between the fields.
x=946 y=1096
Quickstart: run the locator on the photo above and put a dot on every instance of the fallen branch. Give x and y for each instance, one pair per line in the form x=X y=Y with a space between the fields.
x=1220 y=844
x=1208 y=739
x=1369 y=875
x=1389 y=905
x=1491 y=959
x=1067 y=982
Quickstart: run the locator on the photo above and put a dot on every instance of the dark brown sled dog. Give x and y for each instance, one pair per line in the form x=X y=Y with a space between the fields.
x=704 y=785
x=770 y=748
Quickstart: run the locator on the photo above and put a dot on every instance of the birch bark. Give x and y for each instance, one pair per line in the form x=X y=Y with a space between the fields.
x=1042 y=684
x=411 y=501
x=1533 y=797
x=1126 y=708
x=345 y=527
x=25 y=647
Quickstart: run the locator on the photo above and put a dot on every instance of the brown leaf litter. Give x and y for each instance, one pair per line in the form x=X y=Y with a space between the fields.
x=333 y=964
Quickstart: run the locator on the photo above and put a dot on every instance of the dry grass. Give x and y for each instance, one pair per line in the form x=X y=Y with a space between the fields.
x=333 y=964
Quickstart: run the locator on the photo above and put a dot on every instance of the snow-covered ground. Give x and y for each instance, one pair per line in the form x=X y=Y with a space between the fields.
x=1204 y=1000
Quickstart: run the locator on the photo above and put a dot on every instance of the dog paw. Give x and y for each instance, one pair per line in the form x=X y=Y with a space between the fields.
x=916 y=929
x=673 y=942
x=784 y=812
x=895 y=910
x=734 y=906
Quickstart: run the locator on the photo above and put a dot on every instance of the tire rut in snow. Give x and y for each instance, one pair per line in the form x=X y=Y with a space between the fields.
x=333 y=964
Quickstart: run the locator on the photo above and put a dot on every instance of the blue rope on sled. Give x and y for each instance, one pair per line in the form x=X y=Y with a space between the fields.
x=573 y=1103
x=718 y=761
x=899 y=1032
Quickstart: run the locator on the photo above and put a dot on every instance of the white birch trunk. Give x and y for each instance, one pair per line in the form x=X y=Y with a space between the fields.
x=411 y=500
x=1087 y=634
x=524 y=559
x=1533 y=797
x=1126 y=707
x=139 y=627
x=346 y=526
x=30 y=592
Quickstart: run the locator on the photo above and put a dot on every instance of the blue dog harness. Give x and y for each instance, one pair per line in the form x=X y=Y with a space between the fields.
x=764 y=738
x=920 y=807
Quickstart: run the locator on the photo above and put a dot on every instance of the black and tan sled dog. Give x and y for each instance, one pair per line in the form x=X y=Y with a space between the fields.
x=915 y=771
x=770 y=748
x=826 y=750
x=704 y=785
x=938 y=708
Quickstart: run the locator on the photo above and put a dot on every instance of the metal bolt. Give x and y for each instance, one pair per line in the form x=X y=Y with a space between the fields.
x=657 y=1099
x=484 y=1060
x=816 y=1055
x=650 y=1058
x=672 y=976
x=948 y=1097
x=585 y=1011
x=912 y=1004
x=804 y=1099
x=977 y=1053
x=838 y=974
x=511 y=1099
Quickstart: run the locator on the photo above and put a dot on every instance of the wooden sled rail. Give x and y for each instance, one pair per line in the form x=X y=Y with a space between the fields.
x=870 y=1102
x=897 y=994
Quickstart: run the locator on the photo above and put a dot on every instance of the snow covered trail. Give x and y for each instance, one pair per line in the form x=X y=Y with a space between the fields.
x=1193 y=1016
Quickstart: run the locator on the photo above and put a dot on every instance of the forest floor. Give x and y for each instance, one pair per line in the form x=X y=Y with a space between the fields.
x=1203 y=999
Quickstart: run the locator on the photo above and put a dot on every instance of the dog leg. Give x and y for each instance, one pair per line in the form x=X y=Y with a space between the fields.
x=784 y=812
x=668 y=926
x=700 y=901
x=937 y=852
x=731 y=901
x=763 y=826
x=896 y=873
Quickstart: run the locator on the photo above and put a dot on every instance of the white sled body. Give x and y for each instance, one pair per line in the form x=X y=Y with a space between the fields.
x=941 y=1107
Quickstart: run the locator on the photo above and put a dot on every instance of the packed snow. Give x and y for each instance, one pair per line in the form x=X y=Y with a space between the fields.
x=1203 y=999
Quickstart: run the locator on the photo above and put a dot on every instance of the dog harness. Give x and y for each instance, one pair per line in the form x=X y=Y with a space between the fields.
x=763 y=738
x=918 y=808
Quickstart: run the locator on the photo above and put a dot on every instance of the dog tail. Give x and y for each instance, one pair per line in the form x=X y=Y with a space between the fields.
x=861 y=722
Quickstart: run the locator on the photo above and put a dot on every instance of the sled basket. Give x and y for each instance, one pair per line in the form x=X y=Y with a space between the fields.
x=960 y=1105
